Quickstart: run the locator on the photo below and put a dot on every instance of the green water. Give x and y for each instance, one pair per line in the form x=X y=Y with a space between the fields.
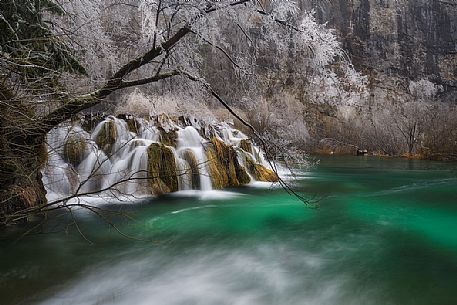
x=385 y=233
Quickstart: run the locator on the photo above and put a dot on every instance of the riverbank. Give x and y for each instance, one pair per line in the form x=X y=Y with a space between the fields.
x=431 y=156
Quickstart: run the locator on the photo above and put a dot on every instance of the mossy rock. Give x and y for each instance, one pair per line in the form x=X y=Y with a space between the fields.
x=168 y=138
x=241 y=173
x=133 y=124
x=107 y=136
x=74 y=150
x=190 y=158
x=227 y=157
x=162 y=169
x=217 y=172
x=260 y=172
x=246 y=145
x=264 y=174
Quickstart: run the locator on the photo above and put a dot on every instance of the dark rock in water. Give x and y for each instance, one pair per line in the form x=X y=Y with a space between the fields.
x=362 y=152
x=241 y=174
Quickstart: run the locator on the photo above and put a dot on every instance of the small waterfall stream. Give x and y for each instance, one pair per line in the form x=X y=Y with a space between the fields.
x=137 y=156
x=189 y=140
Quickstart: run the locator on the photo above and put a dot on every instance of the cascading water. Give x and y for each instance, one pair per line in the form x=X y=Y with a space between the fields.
x=133 y=156
x=189 y=139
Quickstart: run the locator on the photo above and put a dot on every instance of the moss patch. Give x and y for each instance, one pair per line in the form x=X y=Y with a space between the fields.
x=74 y=150
x=217 y=172
x=107 y=136
x=168 y=138
x=190 y=158
x=227 y=157
x=246 y=145
x=162 y=169
x=260 y=172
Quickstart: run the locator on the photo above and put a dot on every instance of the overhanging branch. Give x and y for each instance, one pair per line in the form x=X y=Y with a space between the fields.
x=116 y=82
x=73 y=106
x=148 y=80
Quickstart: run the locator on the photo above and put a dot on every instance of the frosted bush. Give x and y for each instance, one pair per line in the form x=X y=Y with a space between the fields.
x=136 y=103
x=424 y=88
x=322 y=41
x=140 y=104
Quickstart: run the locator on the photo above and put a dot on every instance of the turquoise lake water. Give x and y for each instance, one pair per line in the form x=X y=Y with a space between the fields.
x=385 y=232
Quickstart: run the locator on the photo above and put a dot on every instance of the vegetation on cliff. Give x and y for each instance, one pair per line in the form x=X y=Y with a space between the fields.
x=162 y=169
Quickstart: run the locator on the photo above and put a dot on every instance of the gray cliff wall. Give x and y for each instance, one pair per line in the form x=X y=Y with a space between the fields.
x=397 y=39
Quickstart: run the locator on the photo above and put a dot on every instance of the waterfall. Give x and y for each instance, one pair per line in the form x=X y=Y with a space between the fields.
x=190 y=139
x=125 y=155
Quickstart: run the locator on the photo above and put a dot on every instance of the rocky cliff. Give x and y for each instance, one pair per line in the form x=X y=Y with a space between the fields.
x=397 y=39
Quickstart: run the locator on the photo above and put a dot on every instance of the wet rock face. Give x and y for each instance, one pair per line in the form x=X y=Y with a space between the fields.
x=106 y=138
x=192 y=161
x=74 y=150
x=404 y=38
x=260 y=172
x=246 y=145
x=132 y=123
x=227 y=164
x=162 y=169
x=216 y=169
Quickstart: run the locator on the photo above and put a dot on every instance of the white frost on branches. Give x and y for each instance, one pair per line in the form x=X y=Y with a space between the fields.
x=284 y=10
x=244 y=49
x=320 y=40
